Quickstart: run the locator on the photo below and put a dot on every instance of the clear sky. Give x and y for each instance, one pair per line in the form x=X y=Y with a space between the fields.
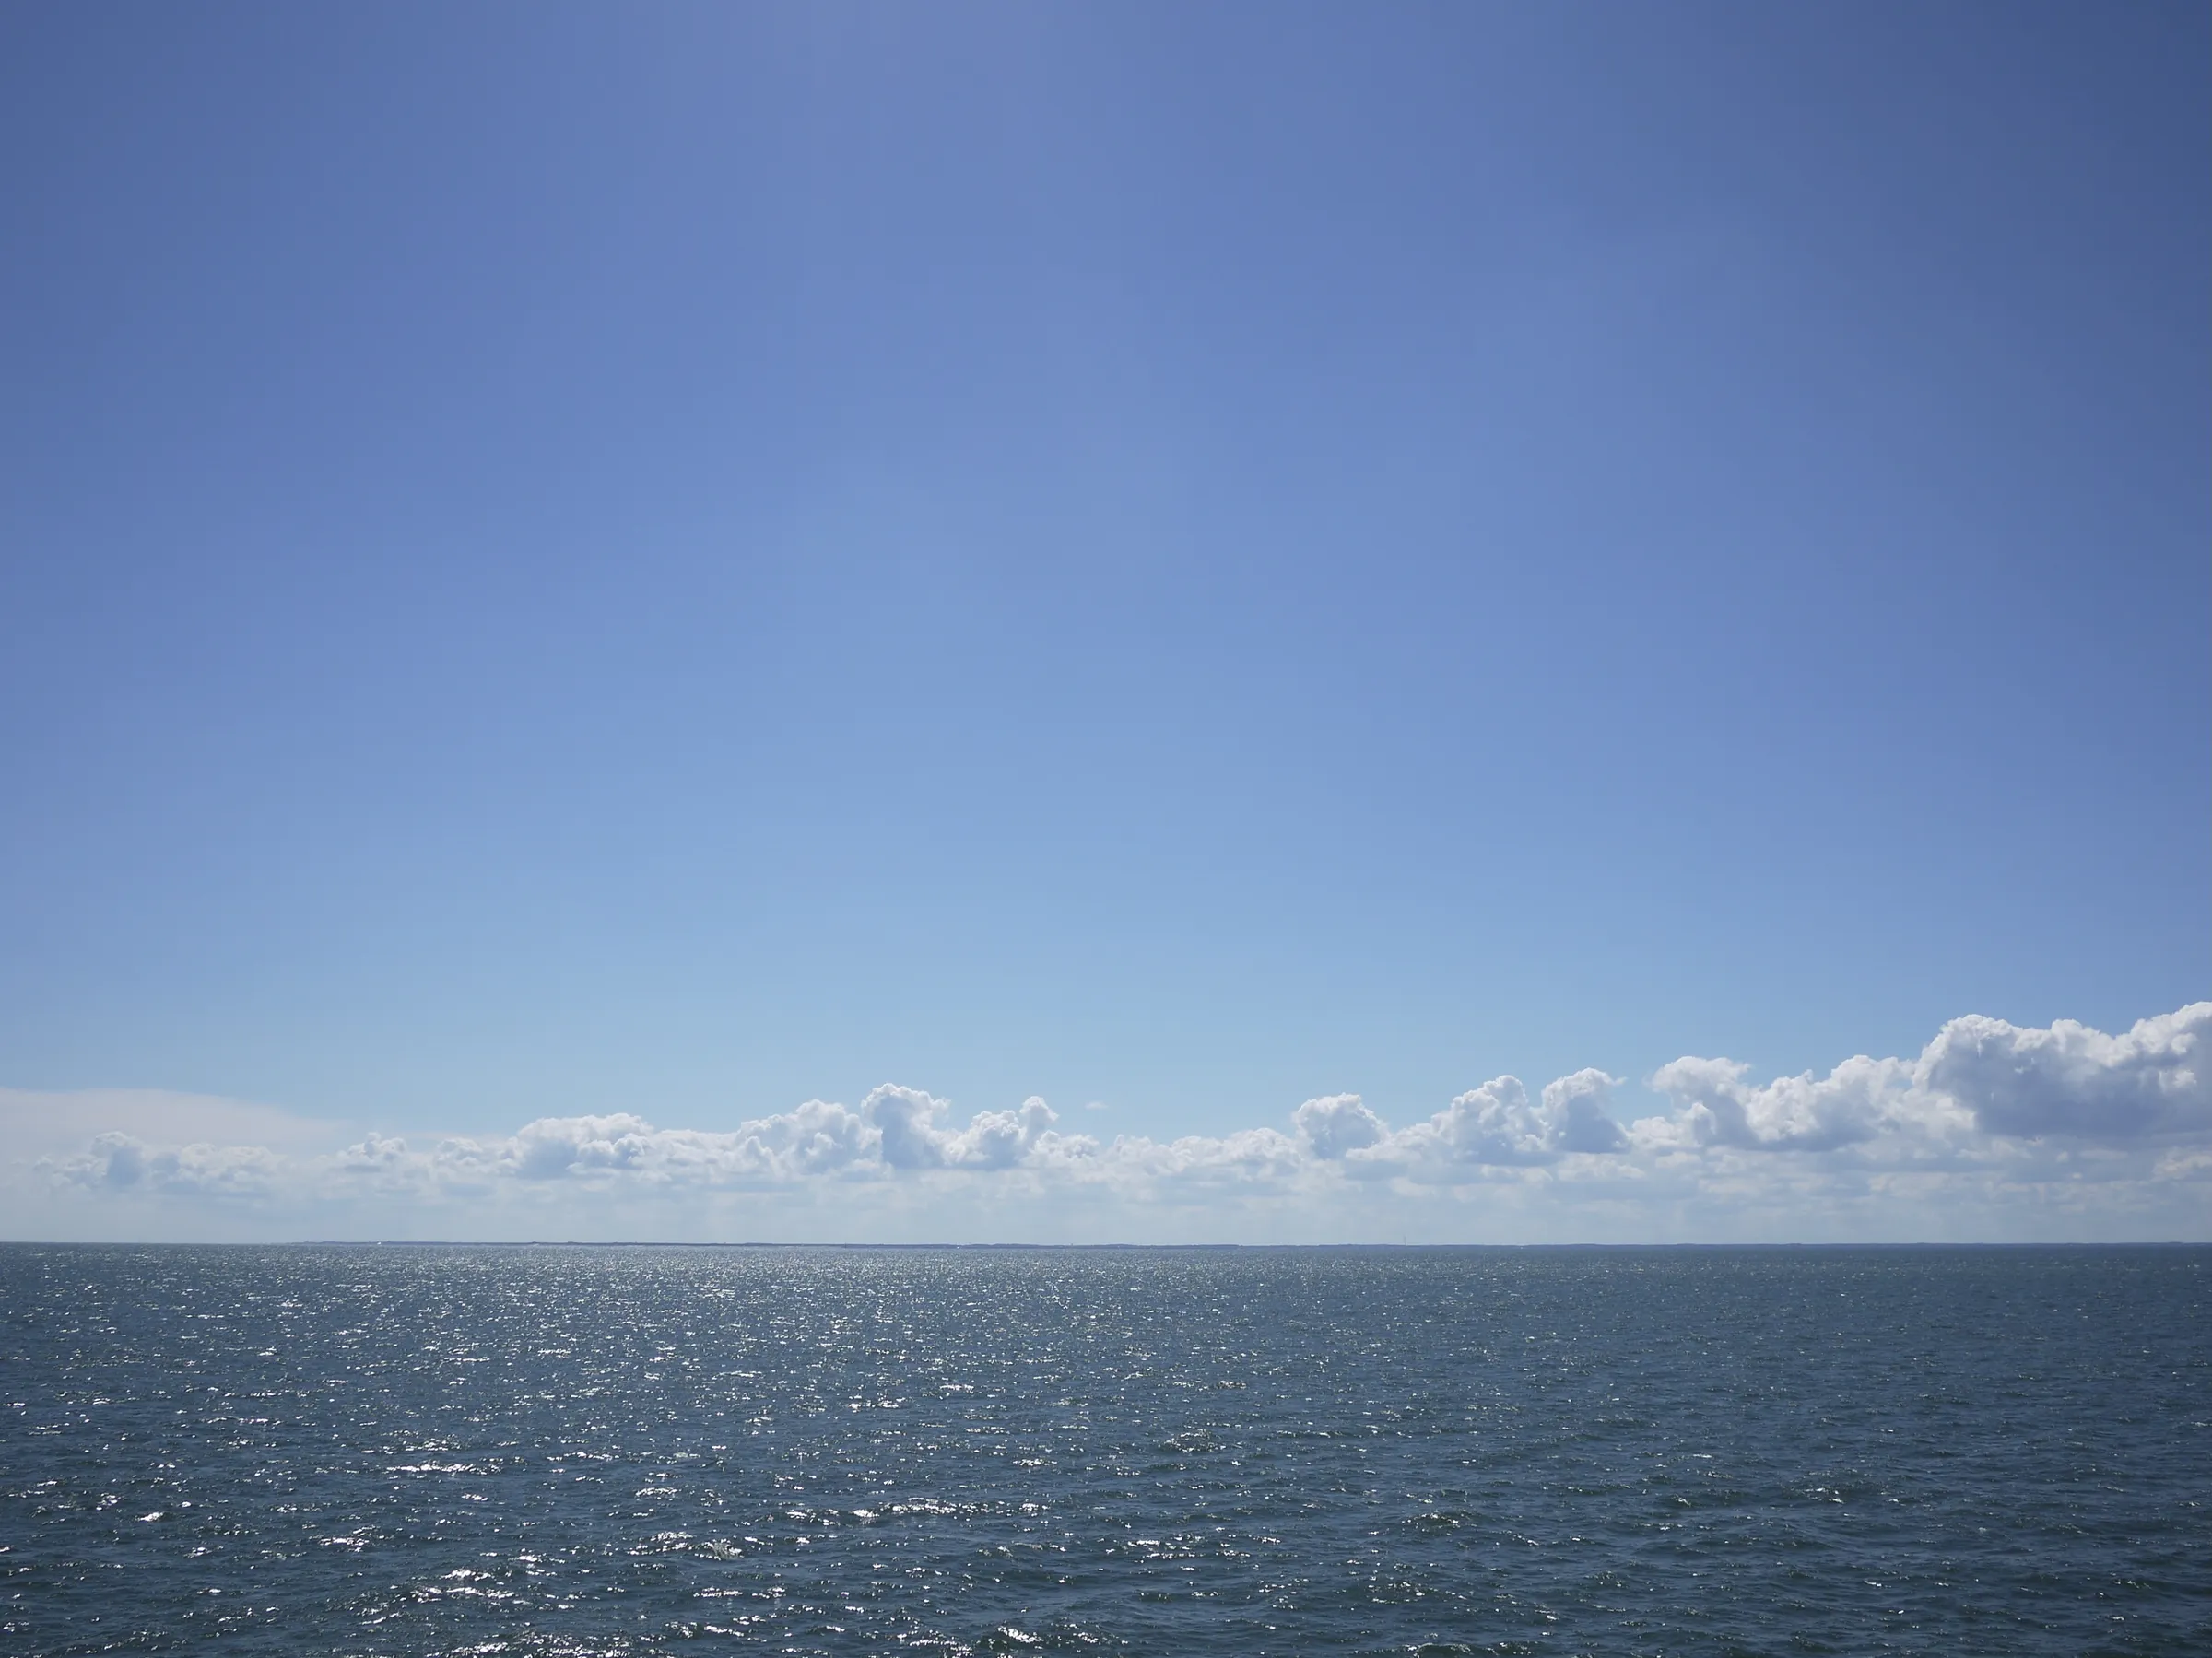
x=678 y=559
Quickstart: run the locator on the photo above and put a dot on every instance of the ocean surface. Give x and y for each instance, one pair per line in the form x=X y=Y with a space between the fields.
x=583 y=1450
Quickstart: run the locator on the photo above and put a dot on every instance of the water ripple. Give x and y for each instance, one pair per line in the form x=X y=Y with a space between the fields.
x=603 y=1451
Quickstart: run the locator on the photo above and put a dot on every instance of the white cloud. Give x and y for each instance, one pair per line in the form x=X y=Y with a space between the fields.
x=1496 y=1125
x=1337 y=1124
x=1251 y=1161
x=909 y=1123
x=1577 y=1115
x=121 y=1162
x=2038 y=1130
x=2156 y=1080
x=1853 y=1103
x=1981 y=1082
x=816 y=1139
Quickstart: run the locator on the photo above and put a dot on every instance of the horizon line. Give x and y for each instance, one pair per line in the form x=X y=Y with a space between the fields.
x=762 y=1243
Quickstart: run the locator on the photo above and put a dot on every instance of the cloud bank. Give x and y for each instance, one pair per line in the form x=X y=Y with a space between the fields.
x=1993 y=1130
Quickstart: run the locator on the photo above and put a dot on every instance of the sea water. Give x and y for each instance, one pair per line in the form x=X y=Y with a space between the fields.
x=583 y=1451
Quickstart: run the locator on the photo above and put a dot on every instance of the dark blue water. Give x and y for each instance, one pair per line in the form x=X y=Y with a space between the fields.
x=615 y=1450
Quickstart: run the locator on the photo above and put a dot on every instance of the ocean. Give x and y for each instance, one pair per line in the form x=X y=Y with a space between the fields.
x=608 y=1451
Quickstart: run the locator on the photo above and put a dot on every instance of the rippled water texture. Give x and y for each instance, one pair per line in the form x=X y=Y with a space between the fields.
x=606 y=1450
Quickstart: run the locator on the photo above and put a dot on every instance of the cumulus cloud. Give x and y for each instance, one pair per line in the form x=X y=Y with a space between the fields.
x=2070 y=1080
x=1852 y=1103
x=2044 y=1113
x=1980 y=1081
x=1337 y=1124
x=818 y=1138
x=1577 y=1112
x=121 y=1162
x=913 y=1135
x=1497 y=1126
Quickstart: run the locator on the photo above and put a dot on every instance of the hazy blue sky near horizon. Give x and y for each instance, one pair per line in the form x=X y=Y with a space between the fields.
x=683 y=559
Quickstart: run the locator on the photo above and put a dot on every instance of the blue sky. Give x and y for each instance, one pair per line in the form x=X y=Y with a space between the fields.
x=677 y=560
